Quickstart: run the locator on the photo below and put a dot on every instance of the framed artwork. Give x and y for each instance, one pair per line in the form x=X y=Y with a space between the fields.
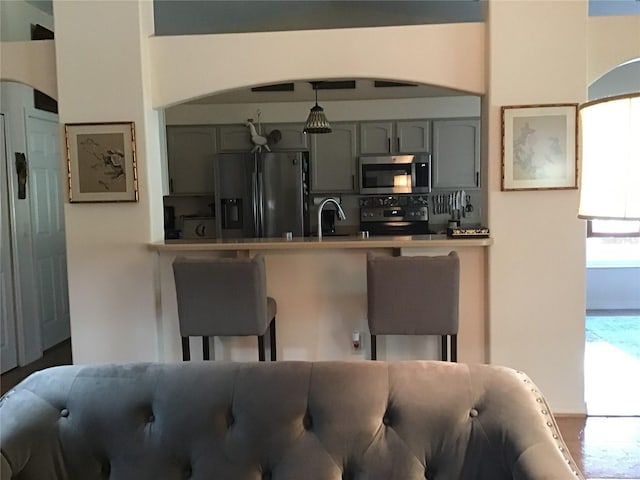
x=539 y=147
x=101 y=162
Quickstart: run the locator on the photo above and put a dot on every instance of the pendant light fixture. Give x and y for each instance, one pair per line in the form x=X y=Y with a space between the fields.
x=317 y=122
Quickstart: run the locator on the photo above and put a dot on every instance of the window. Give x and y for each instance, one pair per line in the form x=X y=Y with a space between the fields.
x=613 y=228
x=613 y=243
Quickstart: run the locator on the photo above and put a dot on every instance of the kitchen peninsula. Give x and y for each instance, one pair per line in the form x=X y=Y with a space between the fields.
x=320 y=287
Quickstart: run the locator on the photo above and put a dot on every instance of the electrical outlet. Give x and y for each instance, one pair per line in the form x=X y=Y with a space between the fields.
x=356 y=341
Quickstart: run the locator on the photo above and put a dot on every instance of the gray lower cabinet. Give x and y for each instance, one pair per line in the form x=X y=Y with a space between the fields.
x=402 y=136
x=456 y=153
x=333 y=159
x=190 y=152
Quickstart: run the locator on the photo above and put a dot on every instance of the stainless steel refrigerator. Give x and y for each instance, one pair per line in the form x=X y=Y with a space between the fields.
x=262 y=194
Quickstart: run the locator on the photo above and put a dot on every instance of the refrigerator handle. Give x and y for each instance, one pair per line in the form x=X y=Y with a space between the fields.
x=254 y=201
x=261 y=203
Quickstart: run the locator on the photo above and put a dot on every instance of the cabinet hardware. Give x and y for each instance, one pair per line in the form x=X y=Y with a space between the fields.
x=353 y=182
x=389 y=144
x=21 y=173
x=399 y=149
x=477 y=179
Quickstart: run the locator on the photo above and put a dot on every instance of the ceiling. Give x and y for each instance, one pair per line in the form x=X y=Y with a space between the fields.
x=303 y=91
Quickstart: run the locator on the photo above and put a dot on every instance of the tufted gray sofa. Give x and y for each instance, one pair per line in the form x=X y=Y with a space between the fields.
x=284 y=420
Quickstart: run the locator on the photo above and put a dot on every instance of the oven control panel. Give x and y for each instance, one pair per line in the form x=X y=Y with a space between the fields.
x=407 y=213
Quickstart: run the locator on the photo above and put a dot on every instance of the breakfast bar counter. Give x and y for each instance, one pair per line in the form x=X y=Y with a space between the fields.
x=327 y=242
x=321 y=289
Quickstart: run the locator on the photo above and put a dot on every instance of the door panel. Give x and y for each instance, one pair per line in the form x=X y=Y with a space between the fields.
x=8 y=341
x=48 y=227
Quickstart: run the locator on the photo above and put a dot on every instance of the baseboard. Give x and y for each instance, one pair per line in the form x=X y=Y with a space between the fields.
x=580 y=416
x=570 y=410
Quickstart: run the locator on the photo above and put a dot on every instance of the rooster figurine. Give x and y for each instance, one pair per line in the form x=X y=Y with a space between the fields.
x=258 y=140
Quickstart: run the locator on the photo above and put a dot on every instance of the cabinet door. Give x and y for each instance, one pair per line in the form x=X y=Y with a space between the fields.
x=376 y=137
x=456 y=153
x=190 y=152
x=333 y=159
x=292 y=136
x=235 y=138
x=413 y=136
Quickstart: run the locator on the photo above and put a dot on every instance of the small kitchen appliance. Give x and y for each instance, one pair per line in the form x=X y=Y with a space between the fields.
x=395 y=174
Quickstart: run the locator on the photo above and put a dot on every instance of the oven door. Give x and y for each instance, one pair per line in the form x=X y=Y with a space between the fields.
x=396 y=228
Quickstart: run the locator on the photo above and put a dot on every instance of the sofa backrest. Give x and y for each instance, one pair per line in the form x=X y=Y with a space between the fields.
x=283 y=420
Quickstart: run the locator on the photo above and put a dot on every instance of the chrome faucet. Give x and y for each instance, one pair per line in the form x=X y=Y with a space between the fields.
x=341 y=215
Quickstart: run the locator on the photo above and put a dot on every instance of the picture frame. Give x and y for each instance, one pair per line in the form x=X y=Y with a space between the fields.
x=101 y=162
x=540 y=147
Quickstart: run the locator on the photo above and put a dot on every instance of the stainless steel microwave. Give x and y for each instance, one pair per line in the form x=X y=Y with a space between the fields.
x=394 y=174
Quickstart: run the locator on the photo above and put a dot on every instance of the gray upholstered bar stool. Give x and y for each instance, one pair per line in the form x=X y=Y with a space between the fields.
x=414 y=296
x=223 y=297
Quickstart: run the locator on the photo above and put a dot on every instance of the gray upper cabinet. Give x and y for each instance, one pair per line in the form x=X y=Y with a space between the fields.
x=292 y=136
x=190 y=152
x=376 y=137
x=413 y=136
x=333 y=159
x=456 y=153
x=410 y=136
x=235 y=138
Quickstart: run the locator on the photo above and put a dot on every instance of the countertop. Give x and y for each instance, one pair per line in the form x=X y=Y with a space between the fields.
x=313 y=243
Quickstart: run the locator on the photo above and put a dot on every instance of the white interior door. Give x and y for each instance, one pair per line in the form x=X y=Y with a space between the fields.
x=8 y=341
x=49 y=249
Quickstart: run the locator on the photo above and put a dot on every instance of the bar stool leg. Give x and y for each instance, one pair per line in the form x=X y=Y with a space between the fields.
x=272 y=339
x=186 y=354
x=454 y=348
x=374 y=348
x=443 y=348
x=205 y=348
x=261 y=348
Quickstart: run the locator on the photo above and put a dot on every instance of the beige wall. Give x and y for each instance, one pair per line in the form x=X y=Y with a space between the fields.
x=537 y=264
x=611 y=42
x=30 y=63
x=216 y=63
x=102 y=73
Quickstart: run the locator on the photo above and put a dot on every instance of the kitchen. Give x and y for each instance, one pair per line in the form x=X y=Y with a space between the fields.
x=421 y=120
x=321 y=284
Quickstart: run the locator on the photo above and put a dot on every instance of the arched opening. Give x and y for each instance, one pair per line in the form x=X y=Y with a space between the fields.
x=216 y=124
x=613 y=306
